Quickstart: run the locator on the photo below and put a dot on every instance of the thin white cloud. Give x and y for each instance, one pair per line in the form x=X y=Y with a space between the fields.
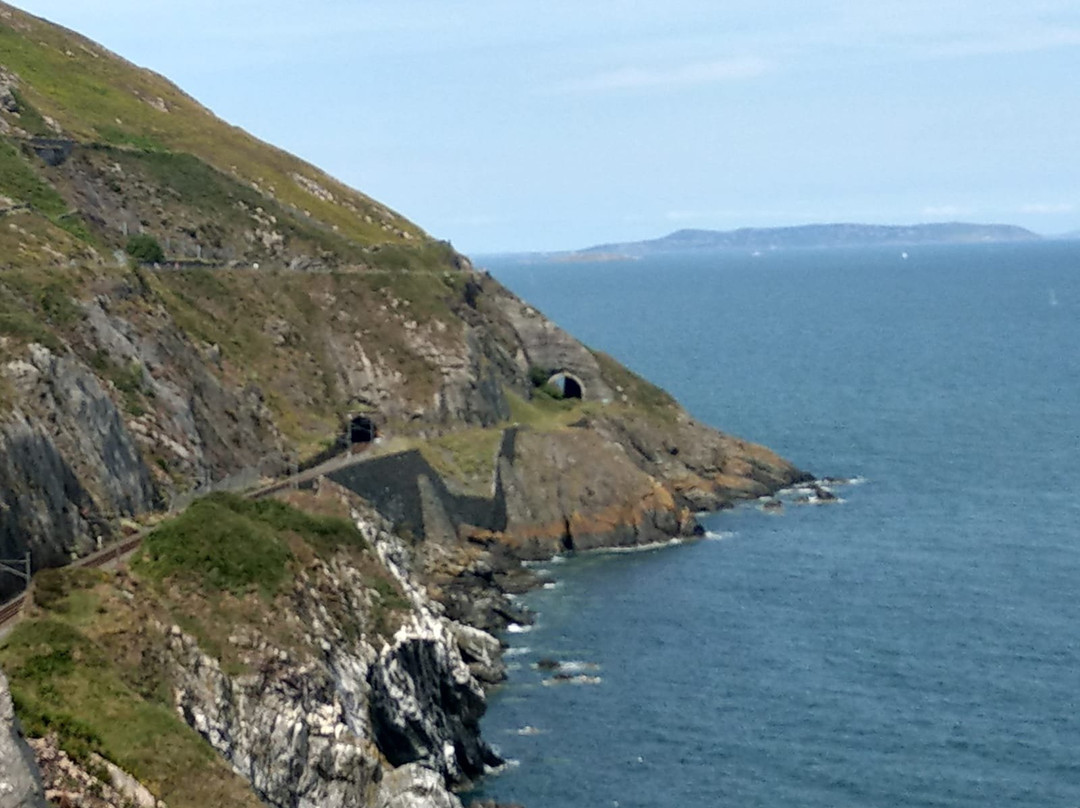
x=1048 y=207
x=637 y=78
x=1021 y=41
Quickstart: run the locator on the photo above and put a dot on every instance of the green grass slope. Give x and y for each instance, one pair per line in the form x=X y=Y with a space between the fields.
x=94 y=96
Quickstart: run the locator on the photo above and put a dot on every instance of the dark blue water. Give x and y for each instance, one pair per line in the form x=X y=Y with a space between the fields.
x=917 y=645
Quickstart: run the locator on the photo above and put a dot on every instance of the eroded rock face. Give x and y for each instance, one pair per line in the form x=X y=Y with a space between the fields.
x=69 y=783
x=574 y=490
x=68 y=463
x=20 y=783
x=393 y=725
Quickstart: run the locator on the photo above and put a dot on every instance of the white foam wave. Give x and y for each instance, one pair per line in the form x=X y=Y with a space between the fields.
x=719 y=535
x=518 y=628
x=506 y=764
x=637 y=548
x=527 y=730
x=581 y=679
x=520 y=650
x=577 y=666
x=551 y=585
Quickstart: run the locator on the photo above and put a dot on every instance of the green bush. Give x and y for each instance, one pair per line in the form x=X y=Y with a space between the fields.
x=539 y=375
x=551 y=391
x=218 y=547
x=145 y=249
x=226 y=542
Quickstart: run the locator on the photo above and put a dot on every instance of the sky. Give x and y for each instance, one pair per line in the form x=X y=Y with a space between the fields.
x=510 y=126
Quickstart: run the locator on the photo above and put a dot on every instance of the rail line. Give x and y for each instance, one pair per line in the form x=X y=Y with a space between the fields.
x=12 y=609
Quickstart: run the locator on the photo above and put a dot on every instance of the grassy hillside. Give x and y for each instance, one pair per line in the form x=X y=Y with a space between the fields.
x=89 y=663
x=93 y=96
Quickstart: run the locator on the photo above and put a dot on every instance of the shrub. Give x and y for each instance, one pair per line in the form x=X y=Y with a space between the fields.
x=552 y=391
x=218 y=546
x=539 y=375
x=145 y=249
x=226 y=542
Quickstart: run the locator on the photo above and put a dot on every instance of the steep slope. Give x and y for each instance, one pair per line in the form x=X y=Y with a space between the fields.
x=281 y=304
x=299 y=650
x=184 y=308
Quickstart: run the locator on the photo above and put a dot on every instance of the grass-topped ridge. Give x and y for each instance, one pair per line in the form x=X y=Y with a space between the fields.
x=90 y=661
x=96 y=96
x=227 y=543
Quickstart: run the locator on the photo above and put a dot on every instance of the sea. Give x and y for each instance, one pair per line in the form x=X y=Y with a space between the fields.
x=916 y=643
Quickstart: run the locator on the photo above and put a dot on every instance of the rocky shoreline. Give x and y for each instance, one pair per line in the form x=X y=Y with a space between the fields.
x=350 y=725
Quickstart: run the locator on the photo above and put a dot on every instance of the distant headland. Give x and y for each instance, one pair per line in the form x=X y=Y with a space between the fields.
x=801 y=237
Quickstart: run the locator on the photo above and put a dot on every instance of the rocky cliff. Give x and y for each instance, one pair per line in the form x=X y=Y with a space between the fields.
x=184 y=308
x=20 y=785
x=338 y=683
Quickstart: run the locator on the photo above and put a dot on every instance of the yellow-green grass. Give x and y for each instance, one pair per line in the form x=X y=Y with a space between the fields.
x=99 y=97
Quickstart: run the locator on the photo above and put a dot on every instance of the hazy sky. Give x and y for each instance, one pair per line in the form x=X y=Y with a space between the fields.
x=504 y=125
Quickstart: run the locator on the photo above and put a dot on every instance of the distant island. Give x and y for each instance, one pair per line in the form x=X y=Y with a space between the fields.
x=802 y=237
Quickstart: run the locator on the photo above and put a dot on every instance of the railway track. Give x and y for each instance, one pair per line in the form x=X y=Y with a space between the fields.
x=12 y=609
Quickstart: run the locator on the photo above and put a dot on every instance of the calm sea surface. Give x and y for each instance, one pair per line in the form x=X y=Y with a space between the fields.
x=916 y=645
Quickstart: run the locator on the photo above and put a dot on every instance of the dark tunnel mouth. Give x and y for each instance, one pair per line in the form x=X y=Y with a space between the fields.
x=362 y=430
x=570 y=385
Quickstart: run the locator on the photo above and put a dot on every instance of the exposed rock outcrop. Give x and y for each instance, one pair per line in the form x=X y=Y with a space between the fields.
x=20 y=784
x=68 y=783
x=357 y=724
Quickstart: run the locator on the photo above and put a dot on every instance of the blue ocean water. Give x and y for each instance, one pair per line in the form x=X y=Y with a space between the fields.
x=916 y=645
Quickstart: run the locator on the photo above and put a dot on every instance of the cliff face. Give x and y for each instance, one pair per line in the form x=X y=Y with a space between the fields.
x=183 y=308
x=20 y=785
x=339 y=684
x=281 y=303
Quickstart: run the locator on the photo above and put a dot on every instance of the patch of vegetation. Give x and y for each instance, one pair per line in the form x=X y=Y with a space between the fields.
x=23 y=326
x=224 y=542
x=325 y=533
x=112 y=134
x=466 y=456
x=218 y=545
x=127 y=379
x=21 y=182
x=538 y=376
x=30 y=119
x=427 y=256
x=390 y=604
x=543 y=411
x=62 y=682
x=640 y=393
x=20 y=322
x=62 y=590
x=57 y=305
x=145 y=249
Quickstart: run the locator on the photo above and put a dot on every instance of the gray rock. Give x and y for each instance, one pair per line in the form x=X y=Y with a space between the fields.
x=351 y=720
x=414 y=786
x=8 y=102
x=20 y=783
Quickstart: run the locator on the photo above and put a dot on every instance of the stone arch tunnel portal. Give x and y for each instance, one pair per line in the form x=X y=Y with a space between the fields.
x=569 y=384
